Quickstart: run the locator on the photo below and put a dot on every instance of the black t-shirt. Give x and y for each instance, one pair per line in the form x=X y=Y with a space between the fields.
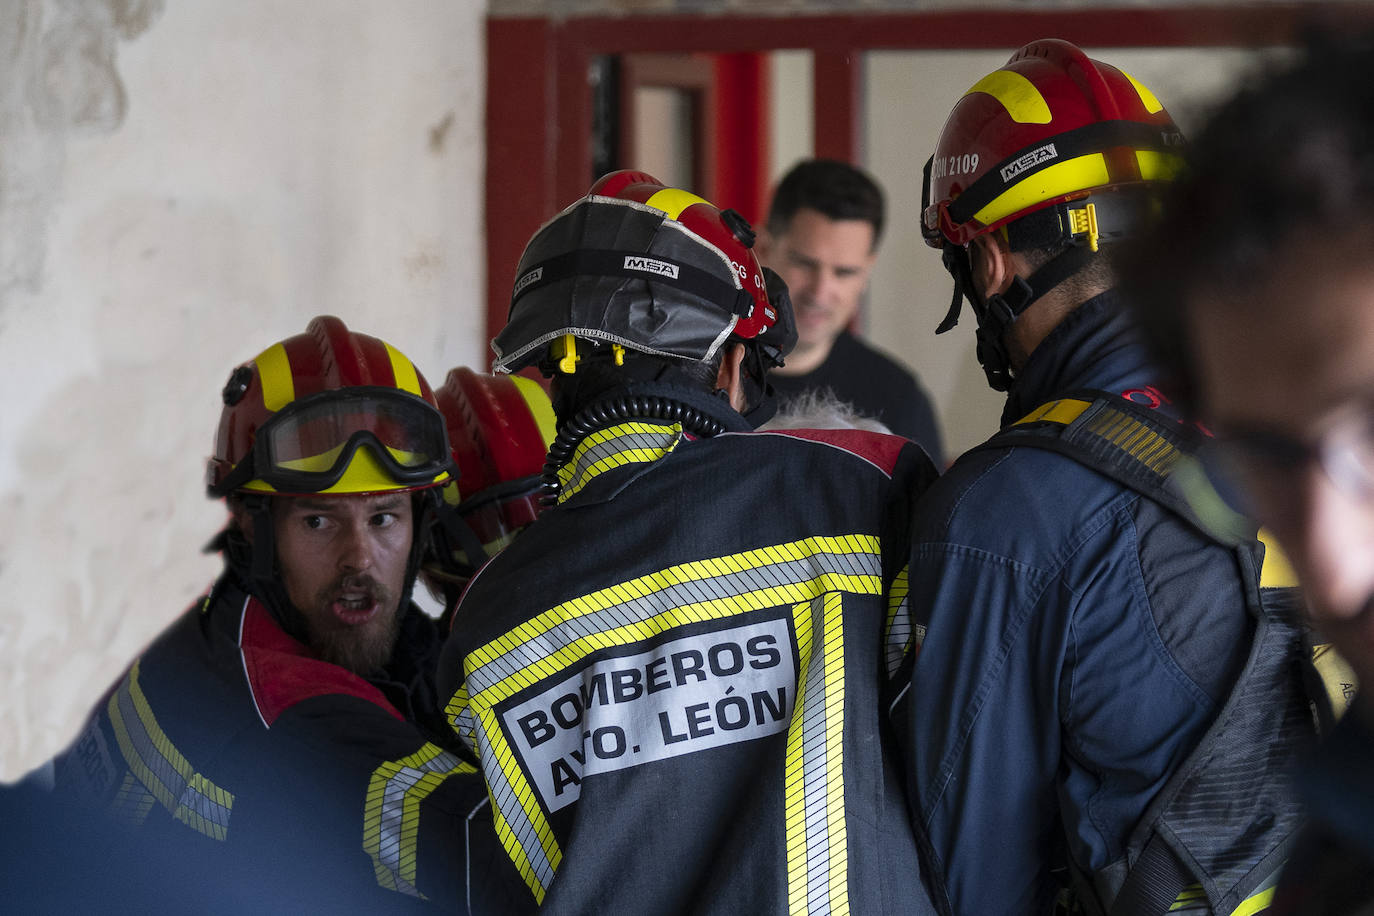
x=876 y=386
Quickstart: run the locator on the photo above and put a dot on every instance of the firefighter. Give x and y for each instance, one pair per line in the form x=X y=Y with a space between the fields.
x=676 y=680
x=1082 y=634
x=1255 y=292
x=284 y=734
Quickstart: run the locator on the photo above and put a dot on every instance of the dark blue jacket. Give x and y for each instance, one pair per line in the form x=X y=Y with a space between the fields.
x=1079 y=640
x=676 y=679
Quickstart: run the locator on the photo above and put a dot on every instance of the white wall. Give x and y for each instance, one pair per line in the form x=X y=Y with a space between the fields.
x=181 y=184
x=909 y=96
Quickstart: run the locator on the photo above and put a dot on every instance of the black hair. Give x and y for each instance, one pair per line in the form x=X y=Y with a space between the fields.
x=837 y=190
x=1290 y=156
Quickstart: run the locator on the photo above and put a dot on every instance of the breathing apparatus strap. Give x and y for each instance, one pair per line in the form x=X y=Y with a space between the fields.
x=999 y=311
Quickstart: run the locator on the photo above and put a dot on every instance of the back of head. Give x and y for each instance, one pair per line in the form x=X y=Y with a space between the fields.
x=638 y=282
x=836 y=190
x=1057 y=154
x=1290 y=158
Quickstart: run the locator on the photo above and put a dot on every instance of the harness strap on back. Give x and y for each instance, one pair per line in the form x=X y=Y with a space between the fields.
x=1141 y=449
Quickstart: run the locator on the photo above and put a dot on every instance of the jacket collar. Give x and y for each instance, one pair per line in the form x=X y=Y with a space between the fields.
x=1094 y=347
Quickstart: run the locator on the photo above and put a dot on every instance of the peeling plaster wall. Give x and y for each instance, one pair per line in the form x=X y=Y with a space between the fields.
x=180 y=185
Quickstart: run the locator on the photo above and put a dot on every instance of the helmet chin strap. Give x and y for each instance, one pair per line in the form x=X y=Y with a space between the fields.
x=998 y=312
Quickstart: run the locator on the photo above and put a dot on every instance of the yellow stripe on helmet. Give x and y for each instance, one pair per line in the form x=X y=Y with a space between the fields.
x=1057 y=180
x=1156 y=166
x=407 y=379
x=1147 y=98
x=538 y=403
x=274 y=371
x=1017 y=94
x=673 y=201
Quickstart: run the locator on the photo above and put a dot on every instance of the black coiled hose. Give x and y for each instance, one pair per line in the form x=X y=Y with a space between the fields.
x=601 y=414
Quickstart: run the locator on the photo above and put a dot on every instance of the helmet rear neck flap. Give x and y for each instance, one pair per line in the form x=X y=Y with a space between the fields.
x=647 y=284
x=1053 y=151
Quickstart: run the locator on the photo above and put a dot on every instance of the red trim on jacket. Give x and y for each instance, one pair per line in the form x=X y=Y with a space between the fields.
x=879 y=449
x=282 y=671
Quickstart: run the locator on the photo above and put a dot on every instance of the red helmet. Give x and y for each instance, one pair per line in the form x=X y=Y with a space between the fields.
x=500 y=428
x=639 y=265
x=328 y=411
x=1049 y=127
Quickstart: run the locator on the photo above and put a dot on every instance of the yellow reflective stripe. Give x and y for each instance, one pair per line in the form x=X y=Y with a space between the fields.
x=1189 y=897
x=1255 y=904
x=814 y=775
x=1063 y=411
x=1276 y=572
x=761 y=588
x=1062 y=178
x=155 y=761
x=403 y=370
x=540 y=407
x=613 y=447
x=898 y=630
x=391 y=813
x=673 y=201
x=274 y=371
x=1157 y=166
x=1147 y=98
x=1017 y=94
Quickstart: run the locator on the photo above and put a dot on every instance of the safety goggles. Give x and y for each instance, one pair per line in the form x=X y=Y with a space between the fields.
x=352 y=440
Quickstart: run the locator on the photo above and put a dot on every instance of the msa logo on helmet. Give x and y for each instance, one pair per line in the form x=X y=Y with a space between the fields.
x=527 y=279
x=650 y=266
x=1029 y=161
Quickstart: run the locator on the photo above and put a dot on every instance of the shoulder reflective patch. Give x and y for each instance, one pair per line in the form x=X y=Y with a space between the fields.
x=732 y=681
x=391 y=817
x=817 y=838
x=613 y=447
x=163 y=771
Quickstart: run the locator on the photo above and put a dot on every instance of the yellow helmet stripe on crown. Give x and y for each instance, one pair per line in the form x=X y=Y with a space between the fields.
x=1147 y=97
x=673 y=201
x=1062 y=178
x=1017 y=94
x=274 y=371
x=407 y=379
x=538 y=403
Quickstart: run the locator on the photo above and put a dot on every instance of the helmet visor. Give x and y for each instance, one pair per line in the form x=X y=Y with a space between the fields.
x=356 y=440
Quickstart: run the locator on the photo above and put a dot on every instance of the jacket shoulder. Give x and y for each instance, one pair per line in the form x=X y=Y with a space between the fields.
x=881 y=450
x=281 y=673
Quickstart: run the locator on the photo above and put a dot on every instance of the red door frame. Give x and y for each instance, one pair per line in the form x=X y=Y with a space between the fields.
x=538 y=118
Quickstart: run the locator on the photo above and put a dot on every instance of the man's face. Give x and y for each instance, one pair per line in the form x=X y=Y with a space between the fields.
x=1285 y=369
x=825 y=264
x=343 y=563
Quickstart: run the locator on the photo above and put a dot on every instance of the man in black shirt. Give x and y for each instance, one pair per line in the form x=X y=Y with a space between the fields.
x=822 y=238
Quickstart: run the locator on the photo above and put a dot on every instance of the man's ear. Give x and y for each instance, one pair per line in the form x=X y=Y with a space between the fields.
x=728 y=377
x=991 y=262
